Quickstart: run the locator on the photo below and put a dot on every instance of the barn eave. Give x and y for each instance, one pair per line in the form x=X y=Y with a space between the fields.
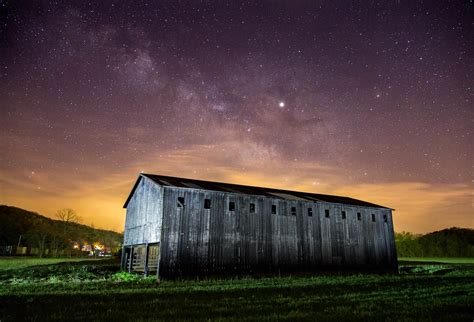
x=139 y=179
x=193 y=184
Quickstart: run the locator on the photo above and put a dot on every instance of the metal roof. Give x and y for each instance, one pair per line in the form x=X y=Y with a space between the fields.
x=251 y=190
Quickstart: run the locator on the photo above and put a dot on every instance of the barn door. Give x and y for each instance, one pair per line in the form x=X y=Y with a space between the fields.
x=153 y=258
x=142 y=258
x=139 y=258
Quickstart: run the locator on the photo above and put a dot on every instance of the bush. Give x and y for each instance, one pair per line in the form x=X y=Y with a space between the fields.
x=83 y=273
x=126 y=277
x=452 y=242
x=427 y=269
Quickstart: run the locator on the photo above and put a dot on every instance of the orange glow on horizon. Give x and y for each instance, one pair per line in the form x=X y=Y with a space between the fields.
x=98 y=199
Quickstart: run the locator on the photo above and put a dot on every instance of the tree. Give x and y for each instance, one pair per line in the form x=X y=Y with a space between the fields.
x=68 y=218
x=91 y=236
x=407 y=244
x=68 y=215
x=39 y=235
x=56 y=240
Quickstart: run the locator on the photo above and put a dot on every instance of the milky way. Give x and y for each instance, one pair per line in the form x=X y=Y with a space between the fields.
x=372 y=100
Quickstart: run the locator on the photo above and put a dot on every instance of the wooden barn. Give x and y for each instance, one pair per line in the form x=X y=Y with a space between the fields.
x=183 y=227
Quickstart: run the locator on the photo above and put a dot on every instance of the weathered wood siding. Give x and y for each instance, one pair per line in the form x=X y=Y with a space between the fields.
x=206 y=241
x=144 y=214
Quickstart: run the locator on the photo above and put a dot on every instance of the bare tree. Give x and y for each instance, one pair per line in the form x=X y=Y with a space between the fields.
x=68 y=215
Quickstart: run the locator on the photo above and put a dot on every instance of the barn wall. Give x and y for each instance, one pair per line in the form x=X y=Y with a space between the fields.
x=203 y=241
x=354 y=242
x=144 y=214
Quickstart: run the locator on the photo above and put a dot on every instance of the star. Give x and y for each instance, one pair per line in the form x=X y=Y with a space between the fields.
x=287 y=92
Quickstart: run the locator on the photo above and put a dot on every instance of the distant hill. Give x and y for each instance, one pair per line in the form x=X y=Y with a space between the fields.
x=50 y=236
x=56 y=237
x=451 y=242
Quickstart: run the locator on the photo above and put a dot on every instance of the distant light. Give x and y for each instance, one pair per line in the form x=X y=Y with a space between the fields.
x=281 y=104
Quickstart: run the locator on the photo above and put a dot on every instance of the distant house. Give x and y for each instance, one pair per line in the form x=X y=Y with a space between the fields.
x=185 y=227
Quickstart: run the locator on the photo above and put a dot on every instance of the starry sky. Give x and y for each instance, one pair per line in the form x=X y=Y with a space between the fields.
x=366 y=99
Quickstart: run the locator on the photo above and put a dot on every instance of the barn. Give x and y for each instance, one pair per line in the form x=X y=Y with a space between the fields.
x=178 y=227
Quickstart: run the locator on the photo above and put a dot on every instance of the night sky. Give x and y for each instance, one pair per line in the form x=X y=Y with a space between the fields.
x=369 y=100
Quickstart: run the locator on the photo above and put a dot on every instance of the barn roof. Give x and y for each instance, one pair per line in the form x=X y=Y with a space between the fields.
x=251 y=190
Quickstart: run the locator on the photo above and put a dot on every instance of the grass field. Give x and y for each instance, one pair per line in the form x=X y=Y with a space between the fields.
x=97 y=291
x=442 y=260
x=7 y=263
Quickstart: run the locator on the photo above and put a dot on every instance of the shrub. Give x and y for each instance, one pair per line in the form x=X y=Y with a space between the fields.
x=126 y=277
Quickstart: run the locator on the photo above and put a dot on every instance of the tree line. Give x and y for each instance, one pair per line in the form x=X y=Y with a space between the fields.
x=451 y=242
x=64 y=235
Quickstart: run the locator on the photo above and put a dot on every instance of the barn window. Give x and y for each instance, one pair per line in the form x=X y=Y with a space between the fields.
x=293 y=211
x=343 y=215
x=385 y=218
x=207 y=203
x=231 y=206
x=326 y=213
x=252 y=208
x=373 y=217
x=310 y=212
x=274 y=209
x=359 y=216
x=180 y=202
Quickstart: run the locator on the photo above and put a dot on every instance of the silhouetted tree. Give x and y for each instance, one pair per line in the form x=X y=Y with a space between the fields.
x=68 y=215
x=68 y=218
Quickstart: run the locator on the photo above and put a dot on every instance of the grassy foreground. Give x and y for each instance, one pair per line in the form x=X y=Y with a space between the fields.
x=8 y=263
x=96 y=291
x=442 y=260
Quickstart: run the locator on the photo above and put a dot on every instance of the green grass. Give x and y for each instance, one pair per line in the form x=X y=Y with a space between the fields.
x=97 y=291
x=7 y=263
x=437 y=260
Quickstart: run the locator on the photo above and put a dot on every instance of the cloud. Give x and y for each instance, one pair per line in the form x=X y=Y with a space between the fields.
x=419 y=207
x=99 y=194
x=208 y=117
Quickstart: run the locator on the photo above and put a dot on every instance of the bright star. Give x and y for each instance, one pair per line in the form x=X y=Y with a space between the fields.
x=281 y=104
